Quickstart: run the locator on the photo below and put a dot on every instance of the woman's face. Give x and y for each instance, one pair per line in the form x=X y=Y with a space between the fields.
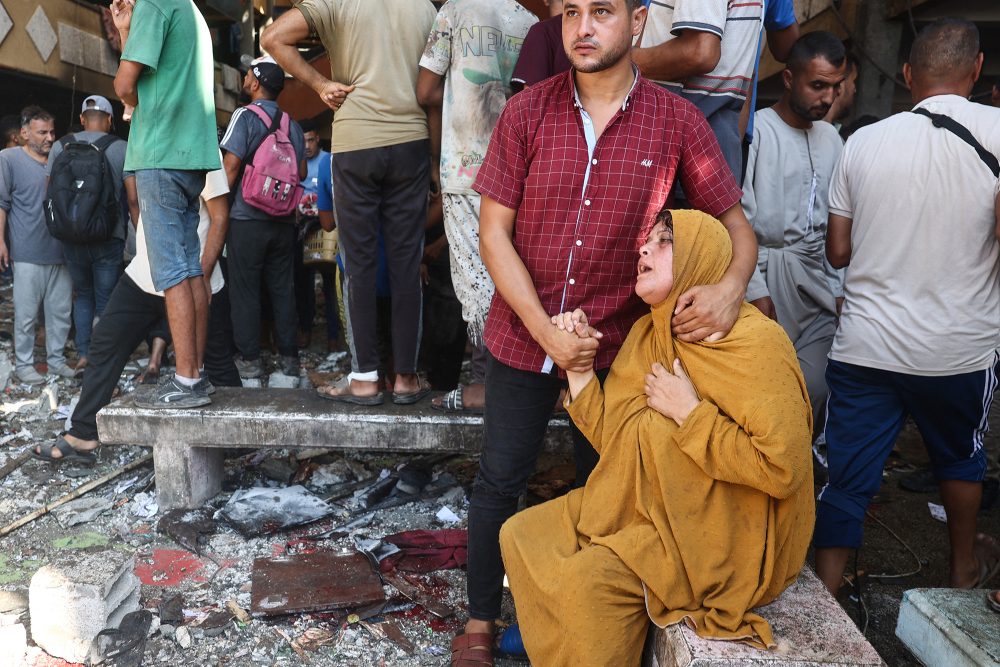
x=656 y=266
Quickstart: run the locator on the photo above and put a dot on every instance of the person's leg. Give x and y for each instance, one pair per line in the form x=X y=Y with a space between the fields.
x=28 y=292
x=812 y=349
x=219 y=351
x=952 y=413
x=128 y=317
x=357 y=180
x=79 y=263
x=107 y=269
x=305 y=295
x=245 y=263
x=58 y=304
x=865 y=416
x=331 y=309
x=403 y=214
x=279 y=259
x=518 y=408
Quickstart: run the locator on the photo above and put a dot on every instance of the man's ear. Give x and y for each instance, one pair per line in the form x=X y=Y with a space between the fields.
x=908 y=75
x=786 y=78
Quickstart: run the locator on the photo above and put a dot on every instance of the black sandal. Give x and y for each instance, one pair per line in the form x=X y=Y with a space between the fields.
x=67 y=451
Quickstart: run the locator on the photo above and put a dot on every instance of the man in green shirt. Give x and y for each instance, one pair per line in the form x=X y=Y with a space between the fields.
x=166 y=73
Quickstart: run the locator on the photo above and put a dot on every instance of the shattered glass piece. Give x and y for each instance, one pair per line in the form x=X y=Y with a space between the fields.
x=82 y=510
x=259 y=510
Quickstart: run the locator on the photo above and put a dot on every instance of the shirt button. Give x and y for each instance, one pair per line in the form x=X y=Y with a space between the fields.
x=579 y=242
x=586 y=202
x=572 y=282
x=593 y=162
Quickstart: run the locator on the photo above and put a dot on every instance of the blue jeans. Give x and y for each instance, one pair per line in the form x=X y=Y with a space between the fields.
x=169 y=204
x=95 y=269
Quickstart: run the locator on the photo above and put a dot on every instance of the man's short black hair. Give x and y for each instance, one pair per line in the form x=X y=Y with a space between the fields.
x=34 y=112
x=10 y=125
x=945 y=48
x=818 y=44
x=307 y=125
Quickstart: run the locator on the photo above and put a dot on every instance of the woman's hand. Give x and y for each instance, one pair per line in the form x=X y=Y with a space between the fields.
x=575 y=323
x=671 y=394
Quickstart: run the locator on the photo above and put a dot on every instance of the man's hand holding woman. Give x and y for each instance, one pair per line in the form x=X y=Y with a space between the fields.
x=572 y=344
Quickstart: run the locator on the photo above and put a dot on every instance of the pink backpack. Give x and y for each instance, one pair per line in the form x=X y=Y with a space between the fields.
x=271 y=175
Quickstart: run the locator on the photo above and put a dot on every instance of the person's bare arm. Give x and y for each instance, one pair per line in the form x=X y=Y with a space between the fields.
x=430 y=95
x=218 y=216
x=281 y=38
x=996 y=208
x=232 y=165
x=132 y=197
x=780 y=42
x=514 y=284
x=710 y=311
x=126 y=81
x=838 y=240
x=691 y=53
x=4 y=253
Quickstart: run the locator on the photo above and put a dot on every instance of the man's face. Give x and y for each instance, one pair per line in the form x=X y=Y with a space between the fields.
x=995 y=95
x=597 y=34
x=555 y=7
x=813 y=89
x=312 y=144
x=39 y=135
x=848 y=90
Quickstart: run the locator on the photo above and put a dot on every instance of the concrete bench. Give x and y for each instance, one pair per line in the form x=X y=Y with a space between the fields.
x=948 y=627
x=187 y=444
x=810 y=628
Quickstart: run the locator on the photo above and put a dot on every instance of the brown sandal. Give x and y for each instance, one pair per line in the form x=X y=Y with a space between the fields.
x=472 y=650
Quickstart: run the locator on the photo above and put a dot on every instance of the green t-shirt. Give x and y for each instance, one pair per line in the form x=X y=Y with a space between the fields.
x=173 y=126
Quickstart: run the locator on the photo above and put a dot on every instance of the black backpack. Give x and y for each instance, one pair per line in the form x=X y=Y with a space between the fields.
x=81 y=204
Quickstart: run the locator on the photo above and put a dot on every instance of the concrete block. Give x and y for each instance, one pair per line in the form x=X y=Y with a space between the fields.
x=946 y=627
x=186 y=476
x=278 y=380
x=809 y=626
x=13 y=645
x=72 y=600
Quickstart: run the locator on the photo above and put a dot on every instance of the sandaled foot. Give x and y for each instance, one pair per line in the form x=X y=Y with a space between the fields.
x=987 y=552
x=472 y=650
x=411 y=397
x=993 y=600
x=343 y=392
x=59 y=451
x=455 y=400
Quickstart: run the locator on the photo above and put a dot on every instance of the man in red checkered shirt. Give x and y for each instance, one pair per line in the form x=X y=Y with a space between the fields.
x=576 y=170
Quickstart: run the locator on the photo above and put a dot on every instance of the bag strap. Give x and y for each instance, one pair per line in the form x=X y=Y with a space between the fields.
x=273 y=124
x=963 y=133
x=105 y=142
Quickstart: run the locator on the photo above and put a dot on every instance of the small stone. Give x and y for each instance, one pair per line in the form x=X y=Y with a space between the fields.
x=183 y=637
x=167 y=630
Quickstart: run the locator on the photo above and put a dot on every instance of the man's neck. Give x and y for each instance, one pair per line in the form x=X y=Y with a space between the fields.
x=790 y=118
x=37 y=157
x=607 y=87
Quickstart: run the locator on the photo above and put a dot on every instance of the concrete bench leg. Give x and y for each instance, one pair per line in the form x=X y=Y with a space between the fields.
x=186 y=477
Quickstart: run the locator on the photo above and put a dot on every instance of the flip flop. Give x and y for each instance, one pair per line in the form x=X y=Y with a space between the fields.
x=453 y=402
x=67 y=451
x=411 y=397
x=347 y=396
x=992 y=600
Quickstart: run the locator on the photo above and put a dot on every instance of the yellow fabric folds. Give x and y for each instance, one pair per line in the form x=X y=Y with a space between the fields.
x=714 y=518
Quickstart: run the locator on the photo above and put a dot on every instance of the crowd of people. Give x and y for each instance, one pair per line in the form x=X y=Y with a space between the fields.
x=718 y=295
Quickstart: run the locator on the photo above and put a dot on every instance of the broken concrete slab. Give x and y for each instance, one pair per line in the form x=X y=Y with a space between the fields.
x=13 y=645
x=313 y=582
x=948 y=627
x=72 y=600
x=189 y=467
x=811 y=630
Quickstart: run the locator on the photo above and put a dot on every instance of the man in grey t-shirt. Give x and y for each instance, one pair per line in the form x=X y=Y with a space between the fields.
x=40 y=277
x=96 y=267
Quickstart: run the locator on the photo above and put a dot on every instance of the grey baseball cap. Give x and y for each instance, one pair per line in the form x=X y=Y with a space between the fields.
x=97 y=103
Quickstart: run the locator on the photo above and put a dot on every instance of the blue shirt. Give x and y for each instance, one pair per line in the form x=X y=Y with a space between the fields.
x=778 y=15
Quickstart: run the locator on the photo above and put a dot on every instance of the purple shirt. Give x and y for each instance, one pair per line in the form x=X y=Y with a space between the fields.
x=542 y=54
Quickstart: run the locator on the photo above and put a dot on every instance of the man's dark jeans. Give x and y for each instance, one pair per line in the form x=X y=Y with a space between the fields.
x=518 y=407
x=262 y=250
x=95 y=269
x=128 y=319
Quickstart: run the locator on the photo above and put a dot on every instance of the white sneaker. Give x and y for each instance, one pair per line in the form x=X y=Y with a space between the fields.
x=62 y=371
x=28 y=375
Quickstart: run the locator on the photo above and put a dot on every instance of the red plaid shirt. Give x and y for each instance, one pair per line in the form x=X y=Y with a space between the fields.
x=580 y=246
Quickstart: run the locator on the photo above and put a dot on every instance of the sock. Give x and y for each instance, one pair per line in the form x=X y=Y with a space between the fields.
x=187 y=382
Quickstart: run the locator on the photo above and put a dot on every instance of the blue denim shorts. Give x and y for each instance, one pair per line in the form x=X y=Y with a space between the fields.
x=169 y=204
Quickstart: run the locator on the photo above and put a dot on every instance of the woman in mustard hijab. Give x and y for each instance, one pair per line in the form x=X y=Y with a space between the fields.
x=701 y=507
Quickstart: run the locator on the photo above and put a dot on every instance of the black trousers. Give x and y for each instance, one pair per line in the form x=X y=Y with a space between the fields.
x=262 y=250
x=383 y=189
x=127 y=319
x=518 y=407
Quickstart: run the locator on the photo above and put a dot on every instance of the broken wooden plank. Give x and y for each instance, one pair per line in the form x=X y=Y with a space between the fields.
x=313 y=582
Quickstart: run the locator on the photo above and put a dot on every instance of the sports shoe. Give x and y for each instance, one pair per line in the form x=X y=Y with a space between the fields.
x=62 y=371
x=290 y=366
x=28 y=375
x=249 y=368
x=204 y=387
x=172 y=394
